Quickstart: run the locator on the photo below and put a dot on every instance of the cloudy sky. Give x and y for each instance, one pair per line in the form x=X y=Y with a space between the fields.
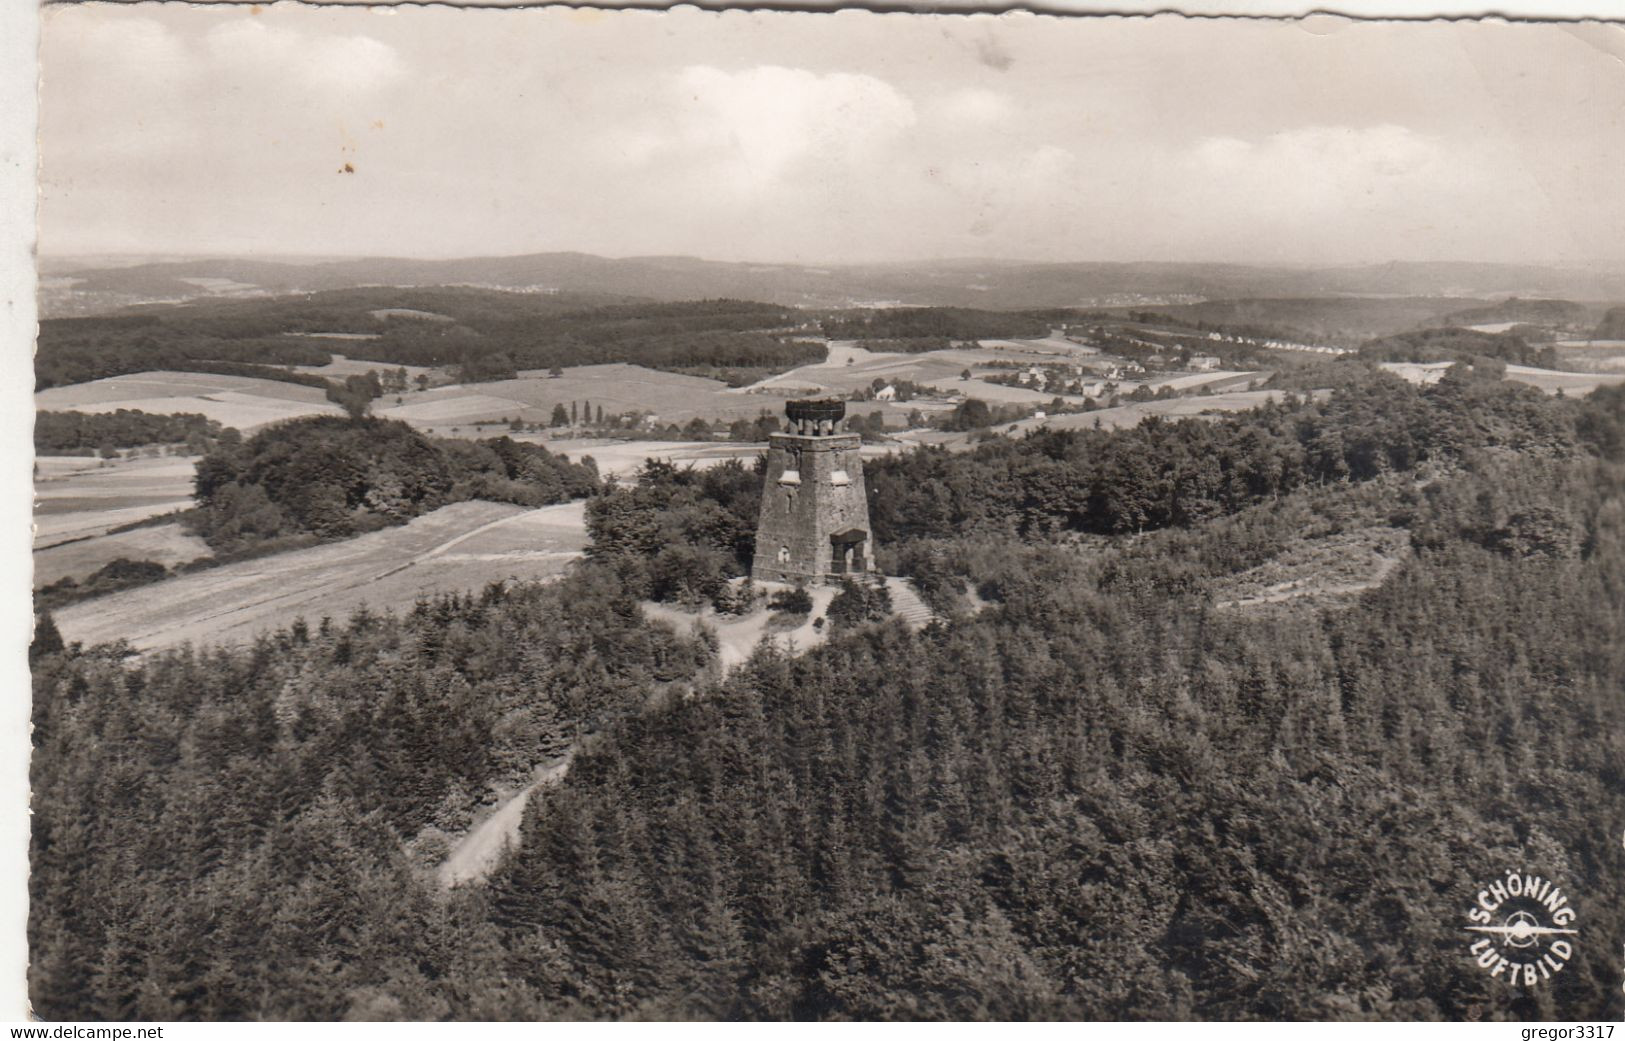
x=827 y=138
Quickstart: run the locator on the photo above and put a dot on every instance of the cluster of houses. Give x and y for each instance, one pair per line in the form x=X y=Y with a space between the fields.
x=1092 y=378
x=1089 y=381
x=1280 y=345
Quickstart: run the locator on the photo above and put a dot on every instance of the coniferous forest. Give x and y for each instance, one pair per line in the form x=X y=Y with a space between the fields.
x=1096 y=788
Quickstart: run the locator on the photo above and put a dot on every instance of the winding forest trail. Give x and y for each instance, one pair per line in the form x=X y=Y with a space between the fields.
x=478 y=852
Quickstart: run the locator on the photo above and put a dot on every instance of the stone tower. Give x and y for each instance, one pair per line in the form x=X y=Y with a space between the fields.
x=814 y=524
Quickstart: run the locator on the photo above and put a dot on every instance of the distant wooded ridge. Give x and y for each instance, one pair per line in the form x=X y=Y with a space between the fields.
x=478 y=335
x=984 y=283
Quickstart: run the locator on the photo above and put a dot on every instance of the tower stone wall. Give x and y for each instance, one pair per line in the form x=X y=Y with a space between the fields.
x=814 y=523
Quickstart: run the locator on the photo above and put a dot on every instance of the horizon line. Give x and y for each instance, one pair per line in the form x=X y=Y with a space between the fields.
x=175 y=256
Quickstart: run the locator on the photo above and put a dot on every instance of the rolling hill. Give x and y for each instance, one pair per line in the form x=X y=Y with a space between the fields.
x=995 y=284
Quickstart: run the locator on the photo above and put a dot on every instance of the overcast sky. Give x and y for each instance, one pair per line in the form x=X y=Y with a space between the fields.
x=827 y=138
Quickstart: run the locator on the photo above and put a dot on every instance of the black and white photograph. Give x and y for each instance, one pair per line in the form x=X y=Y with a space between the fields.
x=548 y=514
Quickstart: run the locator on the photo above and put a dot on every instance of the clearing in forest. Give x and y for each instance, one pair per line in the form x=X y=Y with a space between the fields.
x=1327 y=569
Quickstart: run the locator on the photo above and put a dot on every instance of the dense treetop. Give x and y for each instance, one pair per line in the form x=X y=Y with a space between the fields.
x=931 y=328
x=679 y=533
x=1612 y=326
x=56 y=432
x=479 y=334
x=1162 y=473
x=333 y=477
x=1452 y=344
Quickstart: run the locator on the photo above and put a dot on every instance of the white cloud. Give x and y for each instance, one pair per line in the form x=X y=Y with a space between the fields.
x=352 y=63
x=765 y=119
x=134 y=43
x=1325 y=165
x=184 y=126
x=976 y=106
x=1373 y=191
x=253 y=48
x=1021 y=195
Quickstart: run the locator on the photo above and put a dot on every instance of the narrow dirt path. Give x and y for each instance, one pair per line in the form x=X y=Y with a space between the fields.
x=478 y=852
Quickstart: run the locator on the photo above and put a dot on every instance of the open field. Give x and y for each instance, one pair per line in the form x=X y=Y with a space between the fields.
x=994 y=393
x=1593 y=355
x=1217 y=379
x=1119 y=418
x=1173 y=408
x=78 y=497
x=849 y=367
x=458 y=404
x=167 y=544
x=456 y=410
x=1548 y=380
x=617 y=388
x=625 y=458
x=1052 y=345
x=234 y=401
x=247 y=403
x=1570 y=383
x=460 y=547
x=341 y=366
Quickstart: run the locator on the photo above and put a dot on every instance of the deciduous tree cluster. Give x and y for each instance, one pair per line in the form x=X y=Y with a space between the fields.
x=73 y=432
x=334 y=477
x=679 y=533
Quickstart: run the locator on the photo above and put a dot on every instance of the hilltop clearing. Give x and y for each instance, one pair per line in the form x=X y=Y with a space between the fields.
x=1324 y=570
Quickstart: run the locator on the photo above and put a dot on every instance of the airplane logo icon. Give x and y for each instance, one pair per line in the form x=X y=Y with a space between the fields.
x=1521 y=930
